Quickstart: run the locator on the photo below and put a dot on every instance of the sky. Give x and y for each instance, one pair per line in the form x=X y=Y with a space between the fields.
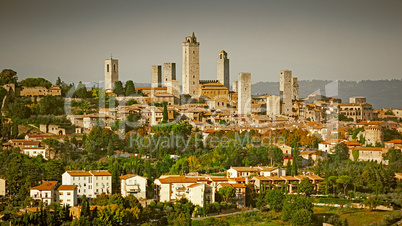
x=345 y=40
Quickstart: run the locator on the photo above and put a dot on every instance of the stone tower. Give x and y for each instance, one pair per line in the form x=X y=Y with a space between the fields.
x=169 y=73
x=111 y=72
x=244 y=94
x=191 y=65
x=235 y=84
x=222 y=66
x=286 y=91
x=295 y=90
x=273 y=105
x=156 y=76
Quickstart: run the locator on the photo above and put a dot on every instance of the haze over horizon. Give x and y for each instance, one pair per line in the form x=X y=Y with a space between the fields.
x=343 y=40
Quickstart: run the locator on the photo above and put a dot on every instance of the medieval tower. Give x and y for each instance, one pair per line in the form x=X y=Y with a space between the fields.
x=223 y=69
x=169 y=73
x=156 y=76
x=286 y=92
x=111 y=72
x=191 y=65
x=244 y=91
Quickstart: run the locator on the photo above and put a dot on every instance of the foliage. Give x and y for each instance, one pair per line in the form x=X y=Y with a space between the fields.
x=274 y=199
x=302 y=217
x=345 y=180
x=130 y=88
x=8 y=76
x=306 y=187
x=227 y=192
x=32 y=82
x=355 y=154
x=294 y=203
x=118 y=88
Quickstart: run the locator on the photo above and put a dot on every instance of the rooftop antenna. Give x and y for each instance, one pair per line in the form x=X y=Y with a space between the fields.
x=111 y=56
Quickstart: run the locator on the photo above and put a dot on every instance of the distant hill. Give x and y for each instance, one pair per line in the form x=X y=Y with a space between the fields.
x=379 y=93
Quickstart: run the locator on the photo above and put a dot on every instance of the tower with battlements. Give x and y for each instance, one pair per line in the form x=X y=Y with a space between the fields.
x=191 y=65
x=244 y=94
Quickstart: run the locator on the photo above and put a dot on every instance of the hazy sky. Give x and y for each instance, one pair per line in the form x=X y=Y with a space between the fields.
x=347 y=40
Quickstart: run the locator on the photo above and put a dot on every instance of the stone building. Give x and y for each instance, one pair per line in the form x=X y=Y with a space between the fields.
x=356 y=111
x=156 y=76
x=191 y=65
x=295 y=89
x=244 y=92
x=357 y=100
x=111 y=72
x=235 y=84
x=169 y=73
x=222 y=65
x=373 y=135
x=273 y=105
x=286 y=91
x=40 y=91
x=214 y=90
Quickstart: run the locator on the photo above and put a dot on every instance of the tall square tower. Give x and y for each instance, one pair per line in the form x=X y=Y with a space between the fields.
x=286 y=91
x=191 y=65
x=222 y=66
x=111 y=72
x=244 y=94
x=169 y=72
x=156 y=76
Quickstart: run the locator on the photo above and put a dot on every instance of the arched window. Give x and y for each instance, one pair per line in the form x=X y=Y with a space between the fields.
x=107 y=68
x=114 y=67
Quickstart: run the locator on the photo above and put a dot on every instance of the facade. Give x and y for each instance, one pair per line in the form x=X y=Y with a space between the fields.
x=222 y=74
x=111 y=73
x=235 y=85
x=200 y=194
x=240 y=194
x=373 y=135
x=356 y=111
x=34 y=152
x=295 y=89
x=169 y=72
x=89 y=183
x=132 y=184
x=286 y=91
x=273 y=105
x=156 y=76
x=68 y=195
x=244 y=92
x=40 y=91
x=236 y=172
x=397 y=144
x=369 y=154
x=214 y=90
x=45 y=192
x=3 y=187
x=191 y=65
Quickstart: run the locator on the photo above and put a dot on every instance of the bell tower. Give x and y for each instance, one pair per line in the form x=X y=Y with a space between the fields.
x=191 y=65
x=111 y=72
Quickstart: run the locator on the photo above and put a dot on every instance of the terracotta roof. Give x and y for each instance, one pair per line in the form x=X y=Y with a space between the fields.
x=219 y=178
x=246 y=169
x=194 y=185
x=300 y=177
x=180 y=179
x=46 y=185
x=79 y=173
x=396 y=141
x=124 y=177
x=367 y=148
x=240 y=179
x=352 y=143
x=67 y=187
x=225 y=184
x=289 y=178
x=370 y=122
x=238 y=185
x=100 y=173
x=266 y=168
x=315 y=177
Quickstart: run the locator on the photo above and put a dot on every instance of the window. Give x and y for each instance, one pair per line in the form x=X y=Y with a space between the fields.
x=114 y=67
x=96 y=184
x=85 y=190
x=61 y=193
x=68 y=200
x=107 y=68
x=68 y=193
x=107 y=184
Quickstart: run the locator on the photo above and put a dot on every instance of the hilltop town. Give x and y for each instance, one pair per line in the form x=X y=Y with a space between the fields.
x=178 y=151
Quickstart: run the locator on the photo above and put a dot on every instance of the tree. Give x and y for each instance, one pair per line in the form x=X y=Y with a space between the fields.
x=344 y=180
x=355 y=154
x=8 y=76
x=275 y=199
x=130 y=88
x=110 y=149
x=81 y=91
x=227 y=192
x=293 y=203
x=341 y=152
x=165 y=114
x=32 y=82
x=302 y=217
x=118 y=88
x=332 y=180
x=51 y=105
x=306 y=187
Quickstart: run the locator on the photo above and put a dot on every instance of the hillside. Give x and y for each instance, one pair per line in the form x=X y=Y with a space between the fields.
x=380 y=93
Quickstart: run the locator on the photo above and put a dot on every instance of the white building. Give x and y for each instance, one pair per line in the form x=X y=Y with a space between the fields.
x=90 y=183
x=134 y=185
x=45 y=192
x=68 y=195
x=235 y=172
x=200 y=193
x=33 y=152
